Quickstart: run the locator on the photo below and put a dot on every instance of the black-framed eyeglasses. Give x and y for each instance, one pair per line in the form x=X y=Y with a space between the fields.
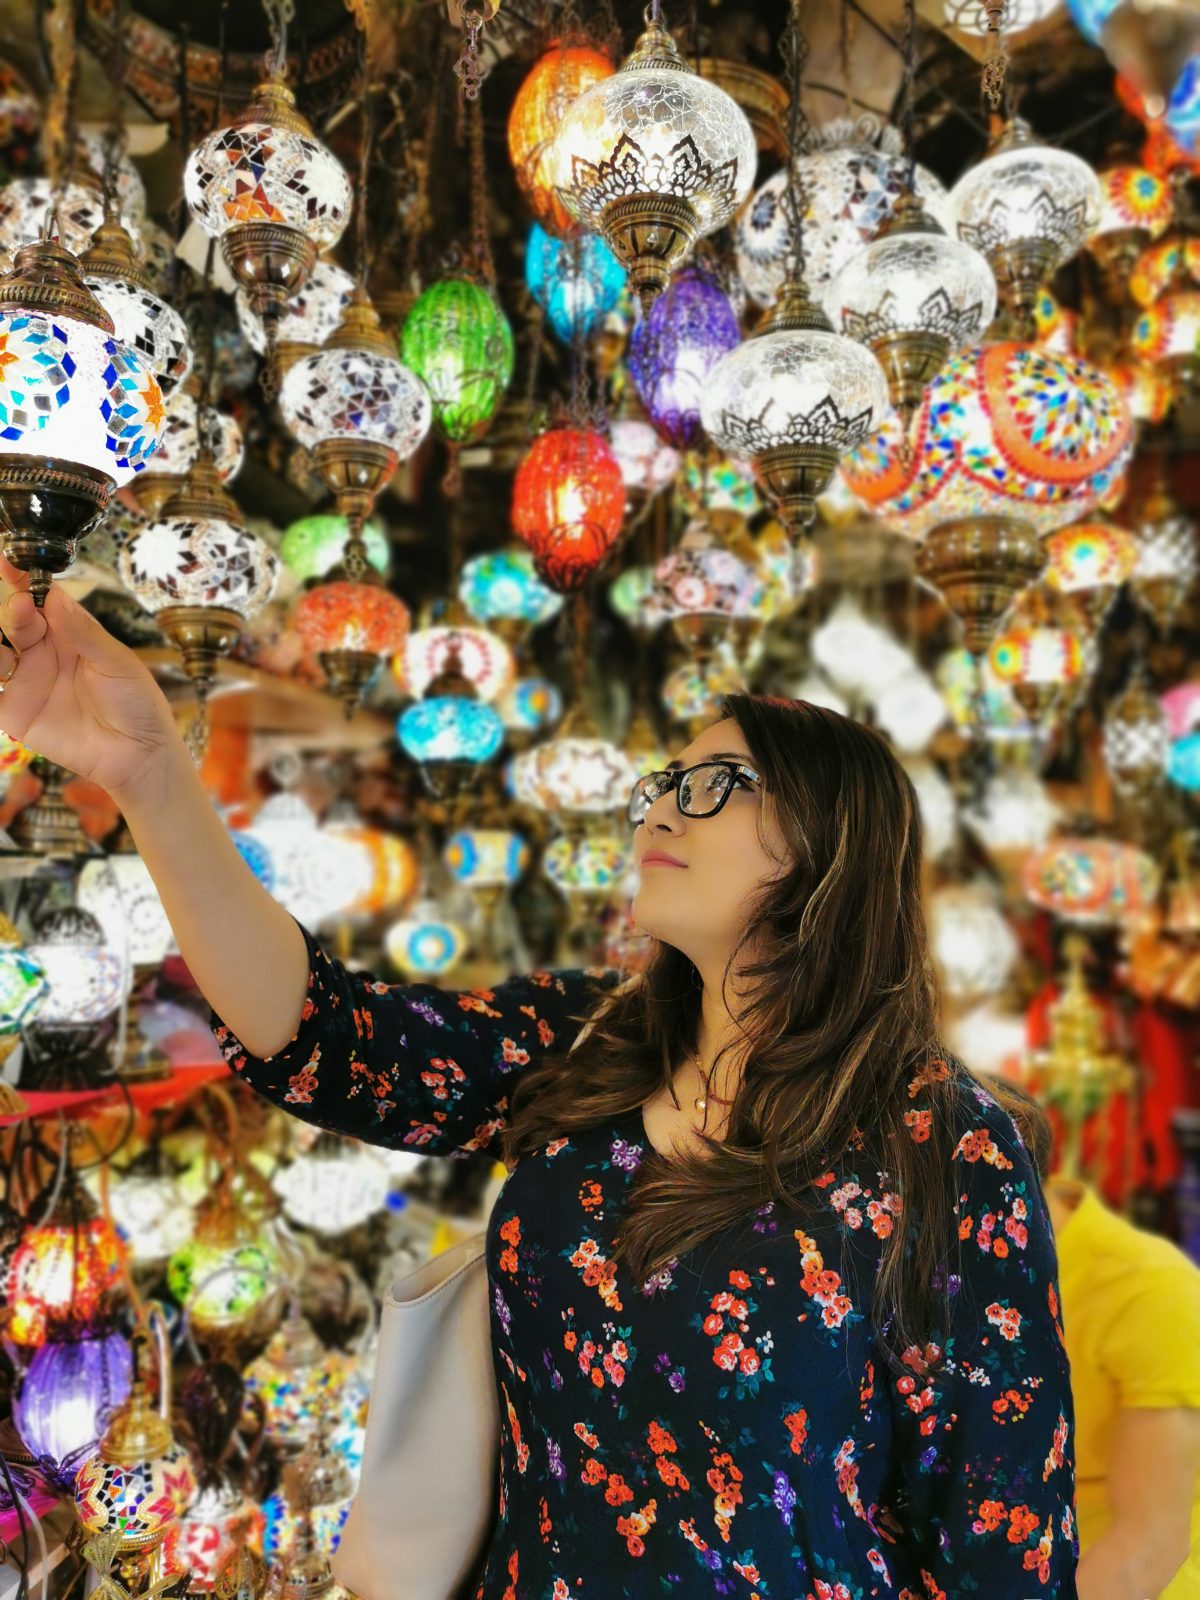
x=700 y=791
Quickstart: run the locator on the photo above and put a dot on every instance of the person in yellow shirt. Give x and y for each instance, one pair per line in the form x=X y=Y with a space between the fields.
x=1131 y=1319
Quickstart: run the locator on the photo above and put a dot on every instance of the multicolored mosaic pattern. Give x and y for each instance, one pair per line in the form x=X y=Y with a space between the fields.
x=259 y=173
x=138 y=1502
x=1005 y=430
x=199 y=561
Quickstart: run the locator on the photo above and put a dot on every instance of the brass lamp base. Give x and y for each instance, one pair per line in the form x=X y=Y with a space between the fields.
x=650 y=234
x=910 y=362
x=792 y=476
x=1038 y=700
x=349 y=672
x=201 y=634
x=152 y=490
x=702 y=634
x=1183 y=375
x=980 y=564
x=449 y=780
x=355 y=470
x=46 y=507
x=270 y=262
x=49 y=827
x=1020 y=270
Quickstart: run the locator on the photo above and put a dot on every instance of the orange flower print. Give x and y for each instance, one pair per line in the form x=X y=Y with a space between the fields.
x=1058 y=1449
x=598 y=1272
x=545 y=1033
x=303 y=1084
x=1039 y=1560
x=932 y=1072
x=617 y=1492
x=919 y=1123
x=846 y=1468
x=560 y=1590
x=1006 y=1318
x=479 y=1002
x=514 y=1428
x=591 y=1195
x=634 y=1528
x=555 y=1146
x=588 y=1437
x=510 y=1592
x=822 y=1283
x=978 y=1145
x=1021 y=1523
x=796 y=1423
x=512 y=1054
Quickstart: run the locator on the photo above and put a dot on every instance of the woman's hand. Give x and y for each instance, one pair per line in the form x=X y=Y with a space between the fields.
x=77 y=695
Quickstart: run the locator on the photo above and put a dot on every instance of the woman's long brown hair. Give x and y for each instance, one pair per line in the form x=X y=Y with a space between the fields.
x=835 y=994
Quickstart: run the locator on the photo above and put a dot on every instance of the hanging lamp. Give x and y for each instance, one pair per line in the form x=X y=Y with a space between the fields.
x=80 y=412
x=653 y=158
x=796 y=396
x=914 y=294
x=201 y=573
x=1028 y=208
x=268 y=189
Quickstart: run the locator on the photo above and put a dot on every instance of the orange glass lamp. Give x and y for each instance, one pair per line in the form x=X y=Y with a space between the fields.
x=569 y=504
x=555 y=82
x=351 y=624
x=61 y=1271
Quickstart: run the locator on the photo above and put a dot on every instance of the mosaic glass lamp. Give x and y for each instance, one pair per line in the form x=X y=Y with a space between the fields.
x=549 y=89
x=66 y=1398
x=142 y=320
x=425 y=944
x=674 y=348
x=272 y=194
x=568 y=504
x=577 y=282
x=188 y=428
x=312 y=546
x=81 y=413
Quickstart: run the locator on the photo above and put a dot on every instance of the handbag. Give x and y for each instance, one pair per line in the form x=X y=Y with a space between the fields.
x=426 y=1504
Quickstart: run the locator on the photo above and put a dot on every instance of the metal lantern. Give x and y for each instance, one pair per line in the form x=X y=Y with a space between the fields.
x=674 y=348
x=459 y=343
x=351 y=626
x=652 y=159
x=66 y=1399
x=1136 y=738
x=142 y=320
x=1136 y=206
x=189 y=427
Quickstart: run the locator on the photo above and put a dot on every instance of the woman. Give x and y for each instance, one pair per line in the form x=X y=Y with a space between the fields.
x=773 y=1285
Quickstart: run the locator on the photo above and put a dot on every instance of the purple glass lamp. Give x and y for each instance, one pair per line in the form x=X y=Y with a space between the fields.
x=674 y=348
x=69 y=1393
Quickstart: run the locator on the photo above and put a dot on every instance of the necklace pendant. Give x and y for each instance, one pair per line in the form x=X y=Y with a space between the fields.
x=700 y=1102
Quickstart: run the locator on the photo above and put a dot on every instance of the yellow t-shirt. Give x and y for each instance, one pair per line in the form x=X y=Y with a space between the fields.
x=1131 y=1317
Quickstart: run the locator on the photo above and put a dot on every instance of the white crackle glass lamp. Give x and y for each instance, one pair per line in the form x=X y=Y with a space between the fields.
x=913 y=297
x=81 y=413
x=1028 y=208
x=272 y=194
x=652 y=159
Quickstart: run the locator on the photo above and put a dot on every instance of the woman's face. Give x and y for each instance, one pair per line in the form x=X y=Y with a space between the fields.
x=699 y=876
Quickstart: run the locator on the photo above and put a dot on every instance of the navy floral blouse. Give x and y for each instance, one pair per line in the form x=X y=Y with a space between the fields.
x=729 y=1427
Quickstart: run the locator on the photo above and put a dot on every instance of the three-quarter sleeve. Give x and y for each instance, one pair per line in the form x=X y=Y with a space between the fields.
x=985 y=1446
x=411 y=1065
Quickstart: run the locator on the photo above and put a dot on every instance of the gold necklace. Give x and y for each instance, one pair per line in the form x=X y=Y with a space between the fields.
x=701 y=1100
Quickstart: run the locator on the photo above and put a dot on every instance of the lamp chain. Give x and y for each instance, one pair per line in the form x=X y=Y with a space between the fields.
x=480 y=237
x=469 y=68
x=995 y=66
x=114 y=136
x=795 y=54
x=365 y=150
x=279 y=14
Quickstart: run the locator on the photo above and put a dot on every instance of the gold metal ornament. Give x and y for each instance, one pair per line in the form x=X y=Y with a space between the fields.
x=980 y=565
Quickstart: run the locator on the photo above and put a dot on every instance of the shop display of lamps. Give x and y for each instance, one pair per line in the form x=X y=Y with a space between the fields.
x=200 y=572
x=142 y=320
x=189 y=426
x=357 y=409
x=577 y=282
x=1077 y=1072
x=61 y=1271
x=425 y=945
x=1136 y=206
x=652 y=159
x=312 y=546
x=333 y=1187
x=271 y=193
x=225 y=1272
x=1028 y=208
x=1136 y=740
x=849 y=187
x=80 y=412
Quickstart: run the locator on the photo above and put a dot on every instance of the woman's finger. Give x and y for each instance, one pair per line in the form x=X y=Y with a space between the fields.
x=13 y=576
x=23 y=624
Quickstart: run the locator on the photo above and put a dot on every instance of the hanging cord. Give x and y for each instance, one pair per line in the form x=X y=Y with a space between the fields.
x=115 y=136
x=846 y=25
x=795 y=54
